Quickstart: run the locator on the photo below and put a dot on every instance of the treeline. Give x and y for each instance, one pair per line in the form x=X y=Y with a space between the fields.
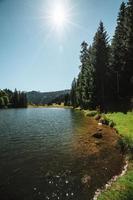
x=106 y=71
x=43 y=98
x=9 y=99
x=64 y=98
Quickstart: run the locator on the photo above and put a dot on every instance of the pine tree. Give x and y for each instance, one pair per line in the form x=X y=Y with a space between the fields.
x=73 y=93
x=100 y=59
x=79 y=90
x=128 y=71
x=83 y=74
x=67 y=100
x=15 y=99
x=88 y=81
x=118 y=53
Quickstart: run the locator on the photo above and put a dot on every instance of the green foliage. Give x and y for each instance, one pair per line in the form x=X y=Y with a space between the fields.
x=100 y=61
x=42 y=98
x=121 y=120
x=4 y=99
x=91 y=113
x=122 y=49
x=13 y=99
x=67 y=100
x=129 y=48
x=106 y=72
x=73 y=94
x=124 y=125
x=82 y=88
x=89 y=89
x=2 y=103
x=122 y=189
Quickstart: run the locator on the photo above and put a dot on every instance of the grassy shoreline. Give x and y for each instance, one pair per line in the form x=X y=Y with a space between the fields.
x=122 y=188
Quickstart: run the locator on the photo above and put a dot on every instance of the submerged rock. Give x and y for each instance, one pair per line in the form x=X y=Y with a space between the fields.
x=100 y=129
x=100 y=124
x=86 y=179
x=98 y=135
x=104 y=121
x=97 y=117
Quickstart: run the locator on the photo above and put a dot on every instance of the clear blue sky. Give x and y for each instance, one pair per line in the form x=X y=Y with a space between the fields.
x=32 y=57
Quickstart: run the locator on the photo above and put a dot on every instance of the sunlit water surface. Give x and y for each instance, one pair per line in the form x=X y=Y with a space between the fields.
x=38 y=158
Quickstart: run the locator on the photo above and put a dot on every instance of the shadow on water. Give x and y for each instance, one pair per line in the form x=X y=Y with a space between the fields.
x=51 y=154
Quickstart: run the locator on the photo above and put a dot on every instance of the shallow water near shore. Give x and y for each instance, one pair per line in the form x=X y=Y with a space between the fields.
x=50 y=154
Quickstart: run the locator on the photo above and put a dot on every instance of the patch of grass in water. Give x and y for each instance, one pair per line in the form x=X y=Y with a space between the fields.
x=122 y=189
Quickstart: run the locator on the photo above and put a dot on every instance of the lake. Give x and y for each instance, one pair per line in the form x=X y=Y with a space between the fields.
x=43 y=156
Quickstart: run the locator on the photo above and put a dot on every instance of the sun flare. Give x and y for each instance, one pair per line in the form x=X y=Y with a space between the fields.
x=59 y=16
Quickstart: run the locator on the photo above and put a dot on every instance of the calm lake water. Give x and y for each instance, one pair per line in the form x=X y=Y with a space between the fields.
x=38 y=158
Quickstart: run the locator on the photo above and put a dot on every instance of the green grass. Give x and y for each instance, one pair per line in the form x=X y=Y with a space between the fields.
x=122 y=189
x=91 y=113
x=124 y=125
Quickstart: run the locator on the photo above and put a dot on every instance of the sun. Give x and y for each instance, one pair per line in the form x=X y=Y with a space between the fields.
x=59 y=16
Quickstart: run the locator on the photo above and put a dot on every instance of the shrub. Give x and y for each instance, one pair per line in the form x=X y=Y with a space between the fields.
x=91 y=113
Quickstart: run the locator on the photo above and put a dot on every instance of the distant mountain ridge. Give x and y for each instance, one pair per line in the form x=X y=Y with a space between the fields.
x=35 y=97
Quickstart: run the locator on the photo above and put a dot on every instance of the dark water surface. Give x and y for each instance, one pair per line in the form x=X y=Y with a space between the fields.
x=38 y=158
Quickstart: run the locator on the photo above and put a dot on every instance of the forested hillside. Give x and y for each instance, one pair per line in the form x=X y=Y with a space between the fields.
x=106 y=70
x=42 y=98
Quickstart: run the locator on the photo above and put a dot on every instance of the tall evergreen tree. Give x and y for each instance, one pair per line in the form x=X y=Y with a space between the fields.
x=73 y=93
x=100 y=59
x=106 y=72
x=67 y=100
x=19 y=99
x=118 y=53
x=82 y=75
x=128 y=72
x=88 y=81
x=15 y=99
x=79 y=90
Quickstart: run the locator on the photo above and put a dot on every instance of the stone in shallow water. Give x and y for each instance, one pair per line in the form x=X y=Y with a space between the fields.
x=86 y=179
x=100 y=124
x=97 y=117
x=98 y=135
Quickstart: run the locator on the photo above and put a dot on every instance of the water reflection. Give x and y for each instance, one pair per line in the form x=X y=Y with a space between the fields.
x=46 y=154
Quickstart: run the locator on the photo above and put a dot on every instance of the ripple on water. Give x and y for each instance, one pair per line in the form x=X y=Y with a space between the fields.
x=47 y=154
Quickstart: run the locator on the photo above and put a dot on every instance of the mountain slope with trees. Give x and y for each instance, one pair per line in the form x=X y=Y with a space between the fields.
x=42 y=98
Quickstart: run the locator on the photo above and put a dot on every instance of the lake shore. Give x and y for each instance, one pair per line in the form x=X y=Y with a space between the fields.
x=122 y=187
x=119 y=187
x=49 y=106
x=101 y=145
x=92 y=152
